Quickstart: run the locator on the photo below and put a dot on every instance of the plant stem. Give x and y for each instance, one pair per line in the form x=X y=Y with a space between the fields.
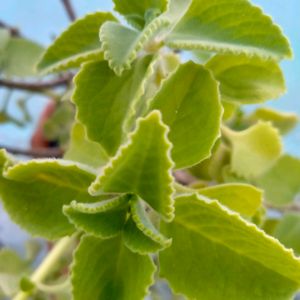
x=48 y=263
x=69 y=9
x=36 y=86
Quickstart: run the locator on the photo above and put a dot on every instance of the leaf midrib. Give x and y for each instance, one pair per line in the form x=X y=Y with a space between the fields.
x=191 y=228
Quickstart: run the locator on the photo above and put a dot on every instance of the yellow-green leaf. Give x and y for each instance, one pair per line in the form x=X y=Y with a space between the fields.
x=228 y=26
x=254 y=150
x=215 y=254
x=104 y=100
x=106 y=270
x=247 y=79
x=77 y=44
x=190 y=106
x=142 y=166
x=242 y=198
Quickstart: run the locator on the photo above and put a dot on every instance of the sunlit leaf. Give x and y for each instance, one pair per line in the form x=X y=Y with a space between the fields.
x=254 y=150
x=229 y=26
x=104 y=100
x=142 y=166
x=33 y=193
x=215 y=254
x=121 y=44
x=77 y=44
x=242 y=198
x=190 y=106
x=247 y=79
x=284 y=121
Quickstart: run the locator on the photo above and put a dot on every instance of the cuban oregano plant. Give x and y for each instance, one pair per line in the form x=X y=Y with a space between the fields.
x=159 y=99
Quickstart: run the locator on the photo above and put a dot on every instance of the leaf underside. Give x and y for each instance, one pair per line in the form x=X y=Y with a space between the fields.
x=140 y=235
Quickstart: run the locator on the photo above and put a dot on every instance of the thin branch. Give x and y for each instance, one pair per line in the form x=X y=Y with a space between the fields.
x=35 y=153
x=69 y=9
x=36 y=86
x=14 y=31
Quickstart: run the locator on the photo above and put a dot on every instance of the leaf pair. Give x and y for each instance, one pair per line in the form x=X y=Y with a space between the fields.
x=191 y=108
x=123 y=215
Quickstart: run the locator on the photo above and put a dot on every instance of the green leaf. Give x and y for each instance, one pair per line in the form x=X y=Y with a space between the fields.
x=20 y=57
x=140 y=235
x=284 y=121
x=190 y=106
x=34 y=192
x=121 y=44
x=116 y=272
x=83 y=150
x=254 y=150
x=136 y=11
x=102 y=219
x=104 y=100
x=77 y=44
x=281 y=183
x=160 y=68
x=247 y=79
x=288 y=231
x=215 y=254
x=242 y=198
x=228 y=26
x=142 y=166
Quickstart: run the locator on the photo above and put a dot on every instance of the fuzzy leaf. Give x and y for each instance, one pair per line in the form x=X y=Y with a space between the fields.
x=140 y=235
x=121 y=44
x=282 y=182
x=215 y=254
x=254 y=150
x=247 y=79
x=34 y=193
x=82 y=150
x=284 y=121
x=142 y=166
x=190 y=106
x=288 y=231
x=242 y=198
x=136 y=11
x=228 y=26
x=102 y=219
x=20 y=57
x=116 y=272
x=77 y=44
x=103 y=100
